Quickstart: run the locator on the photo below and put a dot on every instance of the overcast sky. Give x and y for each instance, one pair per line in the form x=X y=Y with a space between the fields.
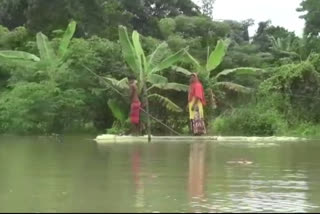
x=280 y=12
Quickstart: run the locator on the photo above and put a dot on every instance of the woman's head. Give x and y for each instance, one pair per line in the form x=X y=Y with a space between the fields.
x=194 y=78
x=132 y=79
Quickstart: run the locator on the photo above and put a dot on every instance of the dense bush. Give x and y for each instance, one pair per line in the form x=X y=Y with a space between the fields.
x=252 y=120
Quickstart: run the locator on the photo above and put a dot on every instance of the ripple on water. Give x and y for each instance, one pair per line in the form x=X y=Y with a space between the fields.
x=261 y=196
x=263 y=202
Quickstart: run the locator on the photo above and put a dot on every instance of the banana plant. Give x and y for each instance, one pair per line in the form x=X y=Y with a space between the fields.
x=146 y=69
x=48 y=58
x=207 y=73
x=284 y=46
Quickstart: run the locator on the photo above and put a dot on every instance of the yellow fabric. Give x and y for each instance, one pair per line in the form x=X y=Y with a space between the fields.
x=192 y=113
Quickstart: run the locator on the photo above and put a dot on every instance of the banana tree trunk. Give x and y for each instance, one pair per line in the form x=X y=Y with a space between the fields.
x=146 y=101
x=213 y=99
x=212 y=104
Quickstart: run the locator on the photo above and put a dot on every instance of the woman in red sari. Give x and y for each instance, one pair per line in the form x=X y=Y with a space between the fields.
x=196 y=100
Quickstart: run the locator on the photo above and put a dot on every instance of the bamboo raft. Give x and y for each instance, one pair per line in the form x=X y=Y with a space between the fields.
x=104 y=139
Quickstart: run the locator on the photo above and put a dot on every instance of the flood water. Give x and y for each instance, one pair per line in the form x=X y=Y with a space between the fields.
x=39 y=174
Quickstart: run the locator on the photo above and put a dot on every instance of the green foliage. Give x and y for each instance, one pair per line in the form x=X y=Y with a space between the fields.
x=66 y=39
x=309 y=45
x=49 y=83
x=299 y=87
x=129 y=52
x=246 y=55
x=305 y=130
x=18 y=55
x=46 y=17
x=120 y=128
x=314 y=59
x=217 y=55
x=167 y=27
x=118 y=110
x=15 y=39
x=287 y=78
x=147 y=13
x=48 y=57
x=213 y=61
x=249 y=121
x=79 y=101
x=311 y=9
x=196 y=32
x=45 y=50
x=232 y=87
x=267 y=117
x=286 y=104
x=39 y=108
x=240 y=71
x=239 y=31
x=265 y=31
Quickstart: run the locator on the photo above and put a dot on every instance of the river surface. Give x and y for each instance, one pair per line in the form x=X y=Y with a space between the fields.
x=75 y=174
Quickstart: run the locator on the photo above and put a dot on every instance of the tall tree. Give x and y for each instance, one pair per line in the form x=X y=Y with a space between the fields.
x=207 y=7
x=240 y=30
x=146 y=13
x=265 y=31
x=12 y=13
x=311 y=8
x=95 y=17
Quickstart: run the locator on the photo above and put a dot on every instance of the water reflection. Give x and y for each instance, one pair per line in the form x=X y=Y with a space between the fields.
x=196 y=183
x=138 y=182
x=245 y=187
x=39 y=175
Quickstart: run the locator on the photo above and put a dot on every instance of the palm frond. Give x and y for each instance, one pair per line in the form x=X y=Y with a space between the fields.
x=119 y=84
x=157 y=79
x=240 y=71
x=158 y=55
x=217 y=56
x=181 y=70
x=128 y=51
x=18 y=55
x=169 y=61
x=167 y=103
x=234 y=87
x=66 y=39
x=172 y=86
x=143 y=66
x=118 y=110
x=136 y=43
x=44 y=47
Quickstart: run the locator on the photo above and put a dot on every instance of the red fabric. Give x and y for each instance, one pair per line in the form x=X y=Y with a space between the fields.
x=196 y=90
x=135 y=112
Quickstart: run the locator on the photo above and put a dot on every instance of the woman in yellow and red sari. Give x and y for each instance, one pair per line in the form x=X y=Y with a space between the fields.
x=196 y=100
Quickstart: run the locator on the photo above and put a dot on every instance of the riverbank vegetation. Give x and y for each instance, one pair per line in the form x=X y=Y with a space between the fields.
x=64 y=66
